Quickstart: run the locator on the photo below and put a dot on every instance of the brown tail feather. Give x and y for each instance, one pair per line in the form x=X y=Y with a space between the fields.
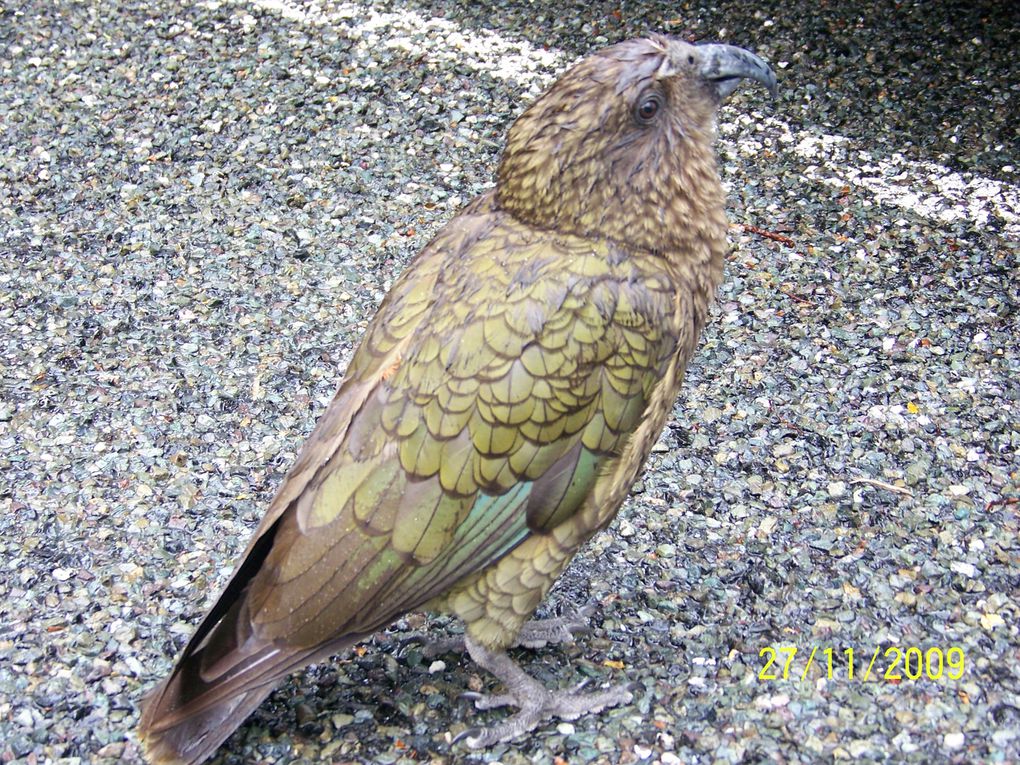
x=185 y=718
x=224 y=674
x=193 y=738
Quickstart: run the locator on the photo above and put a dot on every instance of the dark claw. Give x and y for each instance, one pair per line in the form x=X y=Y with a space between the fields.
x=577 y=688
x=466 y=733
x=404 y=643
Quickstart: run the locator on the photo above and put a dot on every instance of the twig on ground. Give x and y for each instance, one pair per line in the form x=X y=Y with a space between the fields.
x=883 y=485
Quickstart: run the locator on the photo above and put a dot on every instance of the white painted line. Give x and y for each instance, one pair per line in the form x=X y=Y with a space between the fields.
x=930 y=190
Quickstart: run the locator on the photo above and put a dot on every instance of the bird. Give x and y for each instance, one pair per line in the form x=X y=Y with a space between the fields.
x=499 y=407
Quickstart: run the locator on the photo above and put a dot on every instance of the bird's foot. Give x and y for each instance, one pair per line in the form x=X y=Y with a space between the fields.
x=535 y=702
x=537 y=633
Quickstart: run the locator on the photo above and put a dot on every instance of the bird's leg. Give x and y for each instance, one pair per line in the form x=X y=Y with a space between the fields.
x=535 y=702
x=536 y=633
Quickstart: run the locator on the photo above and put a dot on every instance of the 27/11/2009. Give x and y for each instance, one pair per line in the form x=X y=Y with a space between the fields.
x=898 y=663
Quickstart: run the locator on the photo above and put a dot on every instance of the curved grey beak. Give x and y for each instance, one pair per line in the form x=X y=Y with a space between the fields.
x=726 y=65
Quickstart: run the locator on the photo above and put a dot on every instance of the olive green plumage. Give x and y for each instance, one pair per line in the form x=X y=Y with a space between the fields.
x=501 y=403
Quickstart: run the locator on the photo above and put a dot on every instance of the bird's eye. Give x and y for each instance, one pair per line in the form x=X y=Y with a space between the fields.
x=647 y=107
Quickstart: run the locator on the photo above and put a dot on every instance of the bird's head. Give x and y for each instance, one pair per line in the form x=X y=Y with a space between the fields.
x=620 y=147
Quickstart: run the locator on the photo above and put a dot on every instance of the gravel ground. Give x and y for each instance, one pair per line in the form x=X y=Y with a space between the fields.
x=200 y=206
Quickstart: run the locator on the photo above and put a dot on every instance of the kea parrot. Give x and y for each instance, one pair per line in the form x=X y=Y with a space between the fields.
x=500 y=405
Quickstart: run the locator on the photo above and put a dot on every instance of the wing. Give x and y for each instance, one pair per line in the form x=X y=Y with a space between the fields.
x=503 y=370
x=529 y=369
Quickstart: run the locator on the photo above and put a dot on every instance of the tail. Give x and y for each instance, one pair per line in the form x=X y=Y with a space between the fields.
x=225 y=672
x=191 y=739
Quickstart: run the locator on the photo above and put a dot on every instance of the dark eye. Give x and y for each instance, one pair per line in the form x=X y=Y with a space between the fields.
x=647 y=107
